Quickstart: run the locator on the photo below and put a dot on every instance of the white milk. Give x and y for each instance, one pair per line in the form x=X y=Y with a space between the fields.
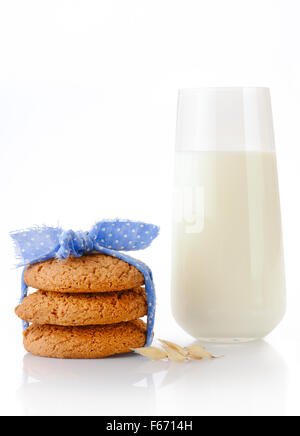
x=228 y=272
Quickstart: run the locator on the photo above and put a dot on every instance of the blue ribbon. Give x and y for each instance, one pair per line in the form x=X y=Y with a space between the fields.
x=106 y=237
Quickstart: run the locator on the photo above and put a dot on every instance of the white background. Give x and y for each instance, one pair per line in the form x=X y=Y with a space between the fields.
x=88 y=92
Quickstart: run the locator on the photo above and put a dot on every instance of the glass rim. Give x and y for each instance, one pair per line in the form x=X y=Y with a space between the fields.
x=217 y=88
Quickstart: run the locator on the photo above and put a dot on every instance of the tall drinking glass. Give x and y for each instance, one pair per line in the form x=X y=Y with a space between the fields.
x=228 y=282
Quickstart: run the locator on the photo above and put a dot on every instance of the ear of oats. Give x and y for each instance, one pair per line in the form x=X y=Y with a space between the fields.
x=175 y=347
x=173 y=355
x=152 y=353
x=198 y=352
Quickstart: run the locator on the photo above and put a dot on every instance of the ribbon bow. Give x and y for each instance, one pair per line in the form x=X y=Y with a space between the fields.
x=106 y=237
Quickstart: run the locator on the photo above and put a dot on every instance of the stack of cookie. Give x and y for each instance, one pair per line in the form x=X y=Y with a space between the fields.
x=85 y=308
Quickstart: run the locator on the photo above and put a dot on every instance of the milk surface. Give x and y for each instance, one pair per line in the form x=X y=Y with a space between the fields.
x=228 y=271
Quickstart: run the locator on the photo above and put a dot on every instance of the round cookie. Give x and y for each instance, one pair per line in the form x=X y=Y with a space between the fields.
x=64 y=309
x=92 y=342
x=93 y=273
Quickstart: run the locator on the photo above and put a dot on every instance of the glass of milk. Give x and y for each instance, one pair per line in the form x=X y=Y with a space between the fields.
x=228 y=281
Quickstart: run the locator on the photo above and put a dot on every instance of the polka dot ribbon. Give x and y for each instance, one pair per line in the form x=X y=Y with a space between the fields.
x=106 y=237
